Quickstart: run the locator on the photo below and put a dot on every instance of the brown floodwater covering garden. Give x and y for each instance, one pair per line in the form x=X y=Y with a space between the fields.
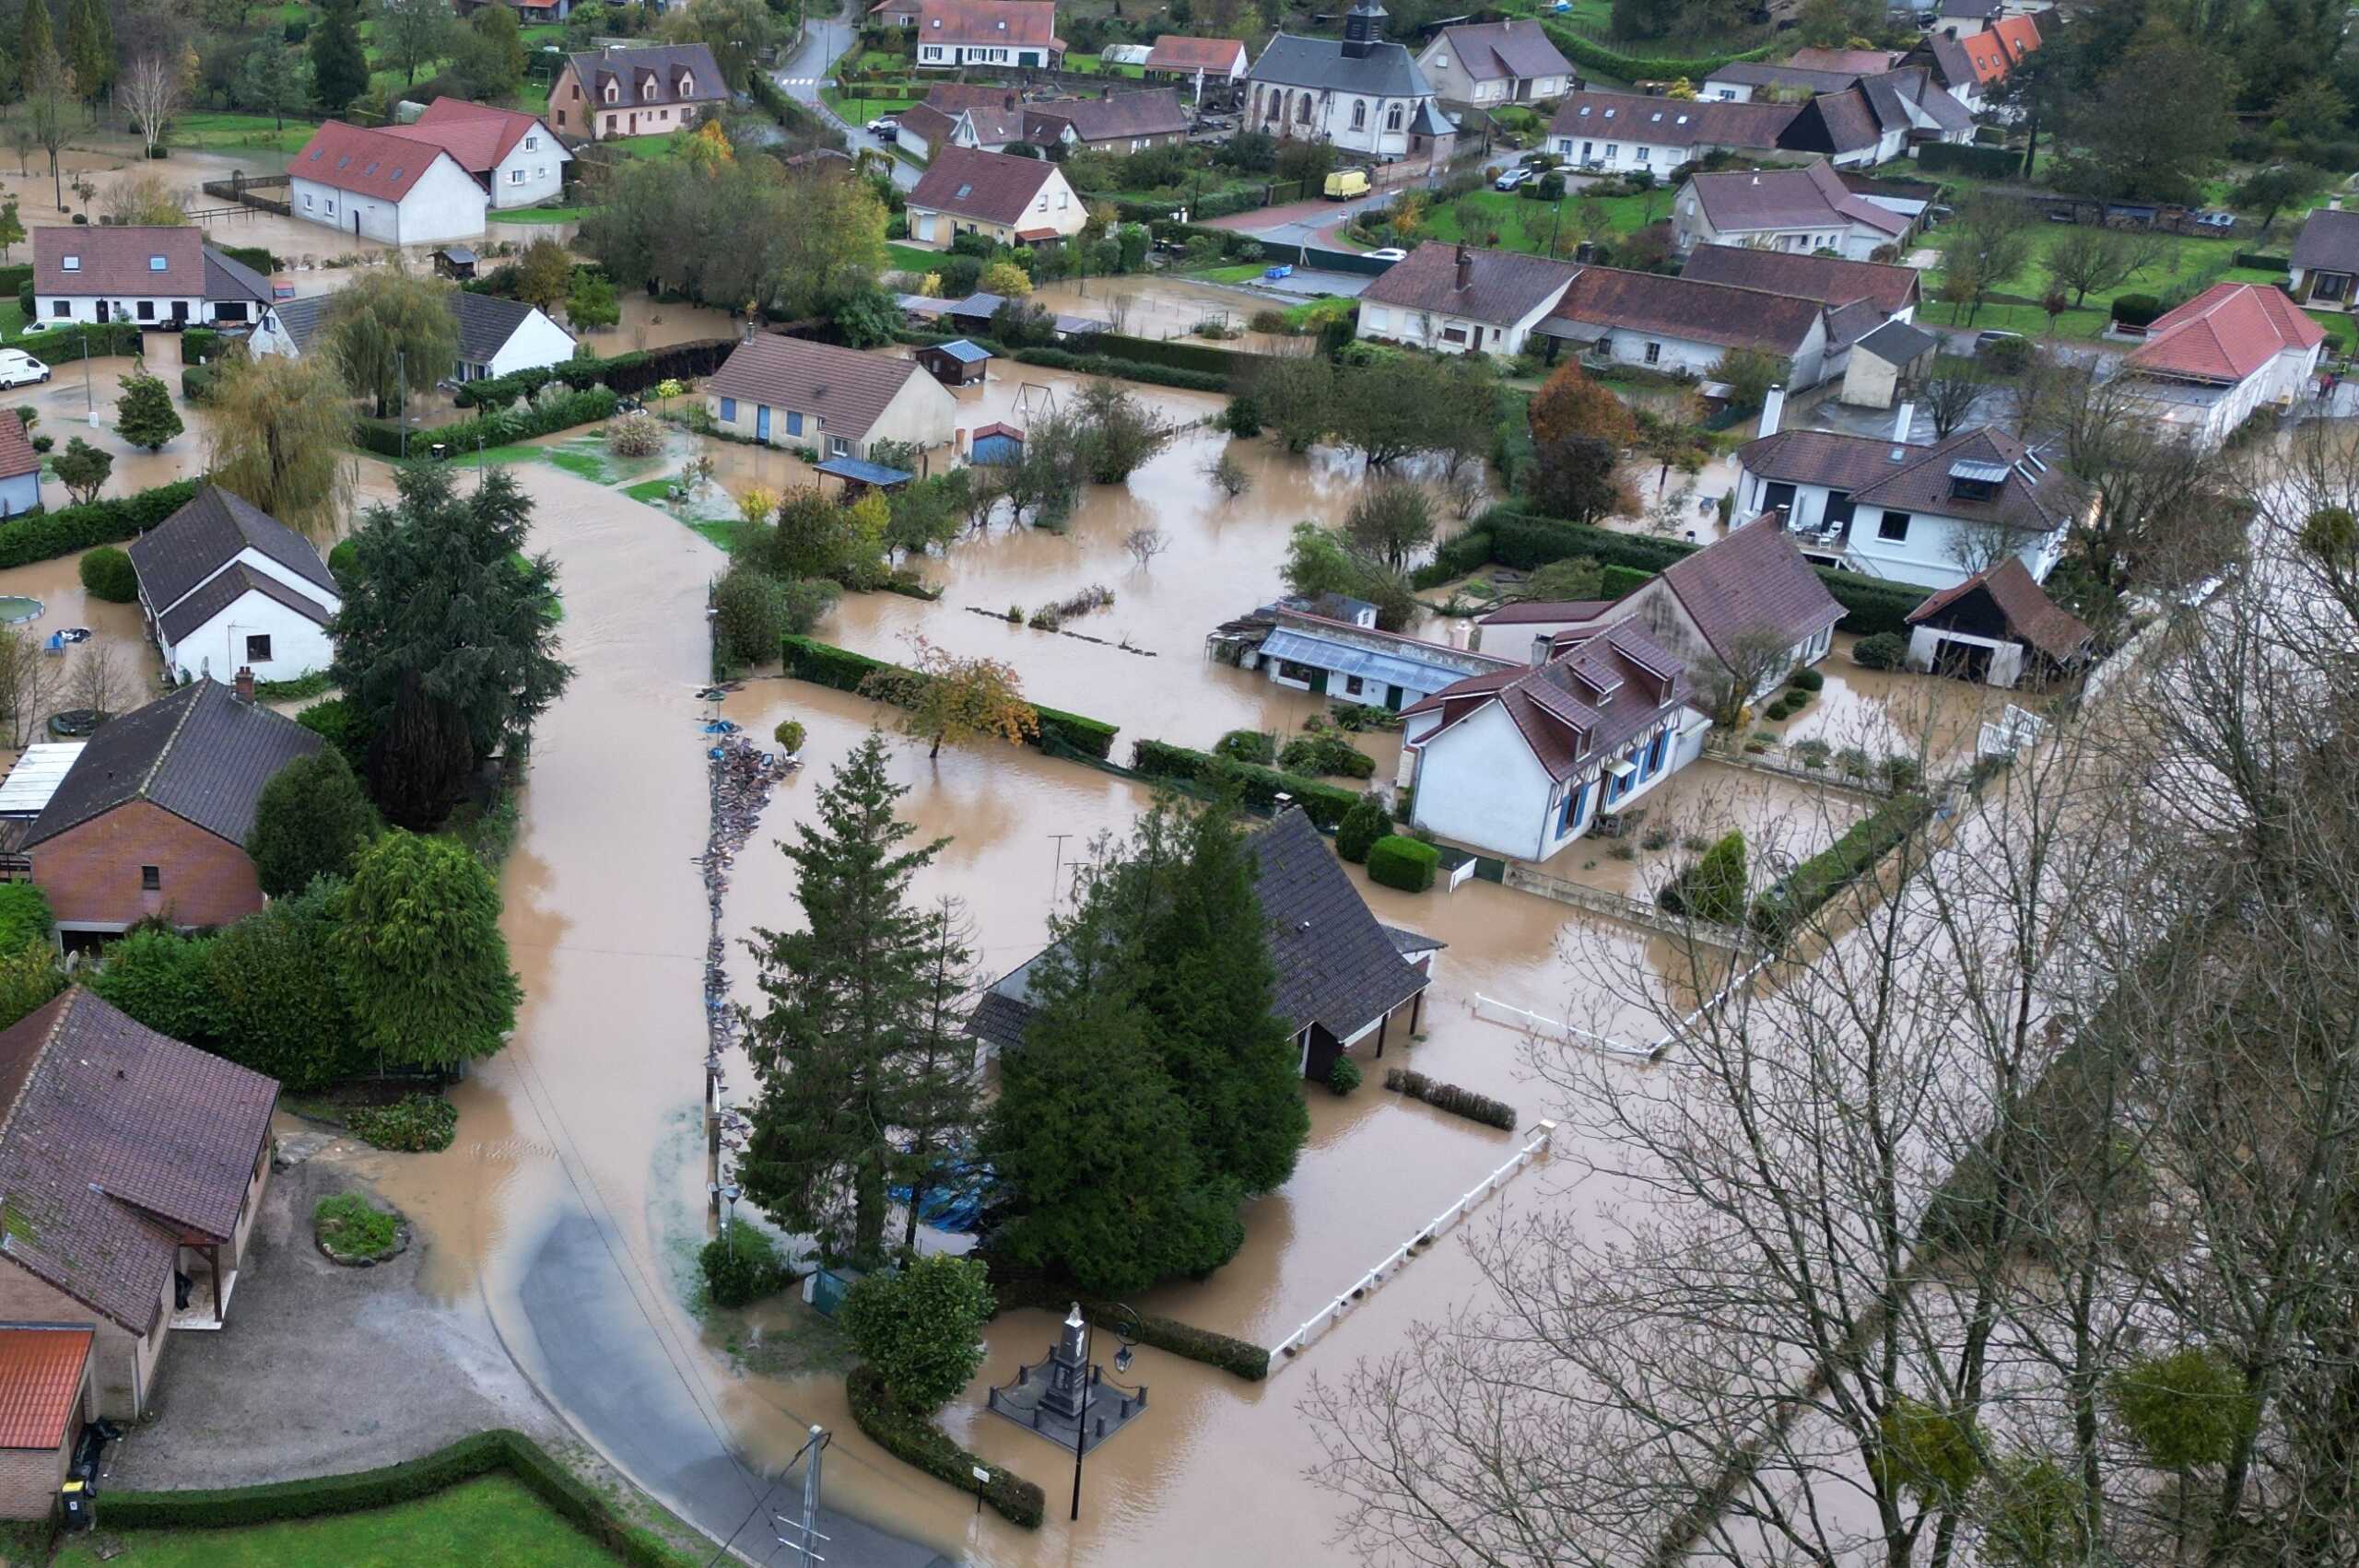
x=594 y=1109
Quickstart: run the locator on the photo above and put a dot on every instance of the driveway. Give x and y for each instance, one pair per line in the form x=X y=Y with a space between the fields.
x=805 y=72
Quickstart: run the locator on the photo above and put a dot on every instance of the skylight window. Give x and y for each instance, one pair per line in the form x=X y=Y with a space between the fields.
x=964 y=190
x=158 y=264
x=71 y=263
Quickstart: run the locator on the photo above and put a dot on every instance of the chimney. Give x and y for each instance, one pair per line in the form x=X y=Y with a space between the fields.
x=1901 y=420
x=1773 y=408
x=1465 y=269
x=245 y=684
x=958 y=439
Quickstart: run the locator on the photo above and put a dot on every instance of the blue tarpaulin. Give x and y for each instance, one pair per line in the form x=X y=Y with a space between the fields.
x=859 y=473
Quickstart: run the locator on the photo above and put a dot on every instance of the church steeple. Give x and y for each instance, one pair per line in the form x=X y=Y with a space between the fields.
x=1363 y=29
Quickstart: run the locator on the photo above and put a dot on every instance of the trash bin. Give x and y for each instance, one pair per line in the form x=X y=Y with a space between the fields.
x=441 y=451
x=76 y=1508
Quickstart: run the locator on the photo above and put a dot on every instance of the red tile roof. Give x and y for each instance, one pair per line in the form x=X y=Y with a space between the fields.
x=17 y=454
x=2020 y=34
x=1828 y=278
x=991 y=186
x=2225 y=333
x=40 y=1383
x=1753 y=580
x=1556 y=709
x=369 y=163
x=119 y=261
x=474 y=134
x=1175 y=53
x=999 y=22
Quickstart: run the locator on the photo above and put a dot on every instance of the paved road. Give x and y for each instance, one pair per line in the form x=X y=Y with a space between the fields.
x=805 y=72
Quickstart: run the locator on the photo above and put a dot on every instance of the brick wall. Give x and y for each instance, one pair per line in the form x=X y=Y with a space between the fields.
x=29 y=1477
x=120 y=1362
x=91 y=872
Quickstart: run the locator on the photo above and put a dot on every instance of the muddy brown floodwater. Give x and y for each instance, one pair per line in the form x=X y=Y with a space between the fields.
x=593 y=1110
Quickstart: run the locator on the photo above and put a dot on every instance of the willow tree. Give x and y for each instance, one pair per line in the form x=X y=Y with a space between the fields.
x=276 y=432
x=391 y=331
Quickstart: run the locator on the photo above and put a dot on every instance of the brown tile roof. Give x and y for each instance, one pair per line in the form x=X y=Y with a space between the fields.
x=2030 y=614
x=952 y=96
x=207 y=534
x=1697 y=313
x=1752 y=579
x=112 y=1133
x=2329 y=241
x=476 y=134
x=1830 y=279
x=370 y=163
x=1788 y=198
x=17 y=454
x=1154 y=112
x=40 y=1382
x=1555 y=707
x=994 y=187
x=846 y=388
x=2035 y=496
x=1502 y=285
x=1670 y=122
x=119 y=261
x=1857 y=62
x=1004 y=22
x=1174 y=51
x=2225 y=333
x=929 y=124
x=670 y=66
x=1506 y=50
x=1545 y=610
x=199 y=754
x=1761 y=74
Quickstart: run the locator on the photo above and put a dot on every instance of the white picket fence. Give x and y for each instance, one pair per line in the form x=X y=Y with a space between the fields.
x=1299 y=1341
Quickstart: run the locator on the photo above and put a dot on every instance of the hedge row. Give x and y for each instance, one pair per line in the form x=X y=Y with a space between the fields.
x=1016 y=1285
x=1405 y=863
x=1325 y=803
x=63 y=345
x=1987 y=163
x=2264 y=261
x=1635 y=67
x=1127 y=369
x=825 y=664
x=1795 y=896
x=1451 y=1098
x=914 y=1440
x=42 y=537
x=1177 y=353
x=628 y=372
x=383 y=437
x=1511 y=445
x=1528 y=542
x=477 y=1454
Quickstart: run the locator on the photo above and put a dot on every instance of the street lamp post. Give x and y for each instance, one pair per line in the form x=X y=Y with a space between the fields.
x=1122 y=1364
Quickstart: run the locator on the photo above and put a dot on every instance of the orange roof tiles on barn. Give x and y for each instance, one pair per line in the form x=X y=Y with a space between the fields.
x=474 y=134
x=370 y=163
x=40 y=1383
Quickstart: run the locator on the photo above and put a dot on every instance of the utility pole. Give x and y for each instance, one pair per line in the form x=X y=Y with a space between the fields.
x=401 y=370
x=89 y=401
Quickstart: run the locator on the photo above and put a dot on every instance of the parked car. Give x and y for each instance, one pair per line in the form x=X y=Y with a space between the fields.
x=32 y=327
x=18 y=368
x=884 y=125
x=2220 y=221
x=1390 y=253
x=2062 y=214
x=1985 y=339
x=1512 y=178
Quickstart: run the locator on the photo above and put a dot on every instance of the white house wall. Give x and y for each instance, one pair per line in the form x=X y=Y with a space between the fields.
x=536 y=343
x=533 y=172
x=299 y=646
x=120 y=307
x=1431 y=330
x=1479 y=785
x=1934 y=554
x=446 y=204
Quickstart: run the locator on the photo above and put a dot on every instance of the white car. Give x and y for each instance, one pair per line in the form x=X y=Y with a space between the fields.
x=1390 y=253
x=1513 y=178
x=884 y=125
x=32 y=327
x=18 y=368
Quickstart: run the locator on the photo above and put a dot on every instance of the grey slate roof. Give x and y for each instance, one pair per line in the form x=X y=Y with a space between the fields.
x=485 y=324
x=1509 y=50
x=1336 y=967
x=1386 y=70
x=199 y=754
x=1502 y=286
x=225 y=588
x=666 y=61
x=2329 y=241
x=301 y=318
x=207 y=534
x=2036 y=496
x=1752 y=579
x=229 y=278
x=108 y=1122
x=1898 y=343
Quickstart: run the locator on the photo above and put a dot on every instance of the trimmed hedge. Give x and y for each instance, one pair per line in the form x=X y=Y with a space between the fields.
x=1619 y=580
x=1987 y=163
x=1796 y=895
x=1622 y=68
x=1451 y=1098
x=43 y=536
x=383 y=437
x=57 y=347
x=477 y=1454
x=198 y=382
x=1176 y=353
x=1126 y=370
x=1016 y=1286
x=822 y=663
x=2263 y=260
x=1325 y=803
x=1408 y=865
x=633 y=372
x=914 y=1440
x=107 y=574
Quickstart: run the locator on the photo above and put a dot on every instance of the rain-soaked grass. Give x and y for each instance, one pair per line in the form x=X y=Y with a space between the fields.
x=582 y=465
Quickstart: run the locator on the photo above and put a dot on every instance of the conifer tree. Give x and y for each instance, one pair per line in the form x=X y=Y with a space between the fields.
x=35 y=45
x=339 y=65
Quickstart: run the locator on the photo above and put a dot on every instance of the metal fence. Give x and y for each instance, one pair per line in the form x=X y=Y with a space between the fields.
x=1618 y=906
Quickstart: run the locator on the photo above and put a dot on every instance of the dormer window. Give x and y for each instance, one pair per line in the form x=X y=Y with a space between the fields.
x=614 y=93
x=688 y=85
x=1971 y=481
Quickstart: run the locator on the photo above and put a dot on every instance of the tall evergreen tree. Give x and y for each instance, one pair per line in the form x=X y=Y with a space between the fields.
x=339 y=63
x=35 y=45
x=847 y=1020
x=89 y=48
x=938 y=1108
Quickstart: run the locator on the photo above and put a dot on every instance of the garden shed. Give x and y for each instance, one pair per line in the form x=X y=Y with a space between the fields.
x=958 y=363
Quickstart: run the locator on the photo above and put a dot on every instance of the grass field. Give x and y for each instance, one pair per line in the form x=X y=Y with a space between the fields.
x=212 y=130
x=1093 y=64
x=541 y=214
x=908 y=258
x=858 y=109
x=2183 y=262
x=1239 y=271
x=495 y=1520
x=1527 y=225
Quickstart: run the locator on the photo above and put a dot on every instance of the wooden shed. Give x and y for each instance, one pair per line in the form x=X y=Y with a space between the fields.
x=956 y=364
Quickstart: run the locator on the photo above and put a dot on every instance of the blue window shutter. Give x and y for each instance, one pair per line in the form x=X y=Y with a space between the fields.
x=793 y=423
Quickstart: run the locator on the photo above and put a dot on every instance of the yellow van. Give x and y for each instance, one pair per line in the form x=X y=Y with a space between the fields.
x=1345 y=183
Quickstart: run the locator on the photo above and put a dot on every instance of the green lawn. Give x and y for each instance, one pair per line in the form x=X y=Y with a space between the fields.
x=851 y=105
x=494 y=1521
x=11 y=318
x=540 y=215
x=648 y=492
x=908 y=258
x=213 y=131
x=1093 y=64
x=1527 y=225
x=1239 y=271
x=2014 y=306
